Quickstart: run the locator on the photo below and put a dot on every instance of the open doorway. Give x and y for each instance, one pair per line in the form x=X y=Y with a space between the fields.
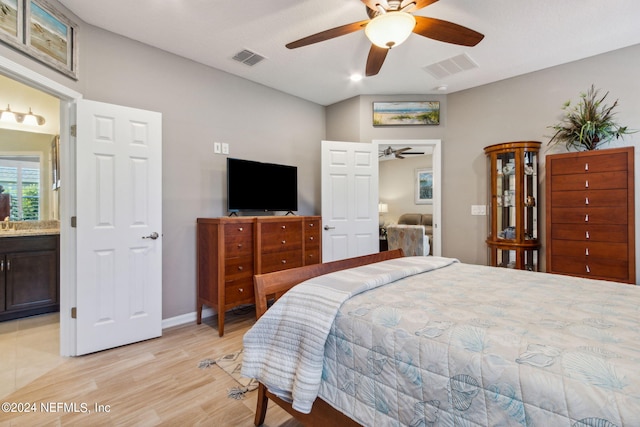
x=29 y=315
x=401 y=163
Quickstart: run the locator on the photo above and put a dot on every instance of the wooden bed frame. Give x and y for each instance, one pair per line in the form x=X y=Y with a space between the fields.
x=276 y=284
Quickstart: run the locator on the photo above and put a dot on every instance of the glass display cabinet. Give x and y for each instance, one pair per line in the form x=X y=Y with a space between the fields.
x=513 y=212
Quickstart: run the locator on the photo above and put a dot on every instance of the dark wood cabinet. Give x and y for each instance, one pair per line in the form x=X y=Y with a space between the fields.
x=29 y=276
x=590 y=214
x=230 y=250
x=512 y=240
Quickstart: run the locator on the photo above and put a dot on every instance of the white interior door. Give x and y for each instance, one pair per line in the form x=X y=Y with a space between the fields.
x=119 y=226
x=349 y=199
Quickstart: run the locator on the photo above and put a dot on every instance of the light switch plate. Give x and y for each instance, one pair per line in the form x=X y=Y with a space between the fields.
x=478 y=210
x=217 y=148
x=225 y=148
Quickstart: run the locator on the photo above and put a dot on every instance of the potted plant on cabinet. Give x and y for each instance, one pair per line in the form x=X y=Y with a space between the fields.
x=588 y=124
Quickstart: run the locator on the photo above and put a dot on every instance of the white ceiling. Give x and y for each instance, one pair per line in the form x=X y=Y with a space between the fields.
x=520 y=36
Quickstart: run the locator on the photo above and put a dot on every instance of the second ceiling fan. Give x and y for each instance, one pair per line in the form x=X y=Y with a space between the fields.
x=398 y=11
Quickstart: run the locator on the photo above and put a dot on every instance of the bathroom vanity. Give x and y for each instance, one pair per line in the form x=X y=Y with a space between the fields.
x=29 y=272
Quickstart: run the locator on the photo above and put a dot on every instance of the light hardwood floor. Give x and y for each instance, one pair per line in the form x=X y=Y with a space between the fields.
x=156 y=382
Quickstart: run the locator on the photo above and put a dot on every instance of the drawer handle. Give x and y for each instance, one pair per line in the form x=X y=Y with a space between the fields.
x=2 y=265
x=586 y=200
x=586 y=166
x=284 y=242
x=240 y=229
x=587 y=234
x=311 y=224
x=284 y=261
x=240 y=290
x=588 y=269
x=586 y=218
x=311 y=238
x=284 y=227
x=586 y=251
x=8 y=265
x=239 y=245
x=240 y=268
x=586 y=184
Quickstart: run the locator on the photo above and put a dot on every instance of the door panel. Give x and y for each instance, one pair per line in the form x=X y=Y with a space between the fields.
x=349 y=199
x=119 y=208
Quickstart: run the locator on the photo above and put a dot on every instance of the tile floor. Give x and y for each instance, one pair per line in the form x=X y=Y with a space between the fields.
x=29 y=348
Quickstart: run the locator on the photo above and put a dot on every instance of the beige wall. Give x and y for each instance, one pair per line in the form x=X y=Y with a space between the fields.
x=520 y=108
x=397 y=186
x=199 y=105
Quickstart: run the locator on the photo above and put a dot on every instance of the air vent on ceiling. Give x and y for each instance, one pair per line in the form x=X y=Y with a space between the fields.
x=247 y=57
x=450 y=66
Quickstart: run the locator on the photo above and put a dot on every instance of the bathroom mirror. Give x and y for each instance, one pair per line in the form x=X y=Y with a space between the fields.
x=29 y=175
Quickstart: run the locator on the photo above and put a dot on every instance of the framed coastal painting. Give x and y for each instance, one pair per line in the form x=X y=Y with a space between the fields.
x=11 y=18
x=406 y=113
x=424 y=186
x=50 y=37
x=37 y=29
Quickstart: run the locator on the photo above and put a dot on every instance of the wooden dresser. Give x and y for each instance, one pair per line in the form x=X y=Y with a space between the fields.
x=230 y=250
x=590 y=223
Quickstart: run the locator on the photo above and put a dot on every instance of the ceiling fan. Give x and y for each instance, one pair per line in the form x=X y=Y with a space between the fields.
x=387 y=16
x=398 y=153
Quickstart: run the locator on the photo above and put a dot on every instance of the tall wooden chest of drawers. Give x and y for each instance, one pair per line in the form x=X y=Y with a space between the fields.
x=230 y=250
x=590 y=223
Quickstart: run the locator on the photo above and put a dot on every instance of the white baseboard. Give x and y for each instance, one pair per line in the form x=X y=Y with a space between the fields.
x=186 y=318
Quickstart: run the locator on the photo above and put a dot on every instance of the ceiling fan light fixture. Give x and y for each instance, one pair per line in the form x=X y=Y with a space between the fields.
x=390 y=29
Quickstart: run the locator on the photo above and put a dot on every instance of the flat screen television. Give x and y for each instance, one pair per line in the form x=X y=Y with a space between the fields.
x=258 y=186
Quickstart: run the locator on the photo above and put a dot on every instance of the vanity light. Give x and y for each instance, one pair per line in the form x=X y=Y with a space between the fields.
x=15 y=117
x=33 y=119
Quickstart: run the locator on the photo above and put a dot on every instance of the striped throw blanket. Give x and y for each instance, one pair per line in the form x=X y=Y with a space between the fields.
x=284 y=350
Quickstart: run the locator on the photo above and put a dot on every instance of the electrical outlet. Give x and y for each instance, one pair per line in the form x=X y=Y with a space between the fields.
x=225 y=148
x=217 y=148
x=478 y=210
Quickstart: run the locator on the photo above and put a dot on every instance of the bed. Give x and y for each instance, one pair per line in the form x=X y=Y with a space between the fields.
x=429 y=341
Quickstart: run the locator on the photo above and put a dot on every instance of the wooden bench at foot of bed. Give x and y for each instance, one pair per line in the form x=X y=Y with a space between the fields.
x=276 y=284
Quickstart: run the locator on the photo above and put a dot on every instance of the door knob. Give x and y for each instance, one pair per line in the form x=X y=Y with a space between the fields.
x=326 y=227
x=152 y=236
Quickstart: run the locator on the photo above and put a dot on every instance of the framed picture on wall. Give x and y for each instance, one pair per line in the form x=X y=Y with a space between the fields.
x=424 y=186
x=11 y=17
x=37 y=29
x=50 y=37
x=406 y=113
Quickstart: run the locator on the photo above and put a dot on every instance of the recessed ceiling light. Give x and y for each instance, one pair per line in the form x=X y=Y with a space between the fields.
x=356 y=77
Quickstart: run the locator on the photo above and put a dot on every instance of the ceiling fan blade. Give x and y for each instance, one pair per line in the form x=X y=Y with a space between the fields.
x=375 y=60
x=398 y=156
x=412 y=152
x=402 y=150
x=446 y=31
x=328 y=34
x=419 y=4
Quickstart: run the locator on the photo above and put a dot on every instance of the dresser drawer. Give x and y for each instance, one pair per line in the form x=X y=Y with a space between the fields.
x=312 y=256
x=235 y=268
x=238 y=240
x=590 y=232
x=593 y=181
x=576 y=248
x=281 y=261
x=596 y=268
x=277 y=237
x=593 y=198
x=239 y=291
x=589 y=215
x=587 y=164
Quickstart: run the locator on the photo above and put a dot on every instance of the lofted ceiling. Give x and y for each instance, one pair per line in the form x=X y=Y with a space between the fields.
x=520 y=37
